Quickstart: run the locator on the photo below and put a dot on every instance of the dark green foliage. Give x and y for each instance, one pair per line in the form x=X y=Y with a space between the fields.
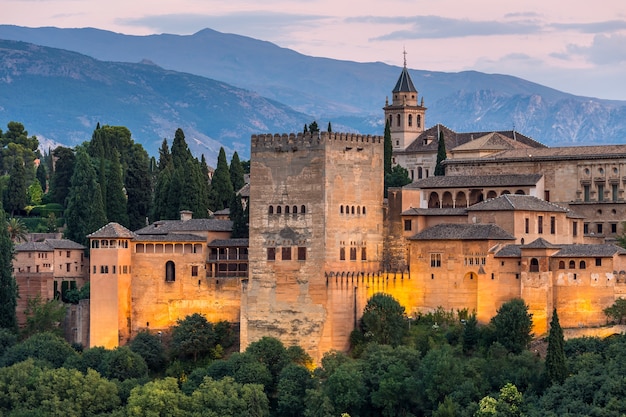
x=115 y=204
x=388 y=149
x=298 y=356
x=329 y=129
x=138 y=185
x=8 y=287
x=92 y=358
x=43 y=316
x=440 y=169
x=399 y=177
x=513 y=325
x=7 y=339
x=42 y=176
x=271 y=353
x=236 y=173
x=384 y=320
x=193 y=337
x=122 y=363
x=85 y=209
x=62 y=176
x=43 y=346
x=294 y=381
x=556 y=368
x=616 y=312
x=221 y=193
x=313 y=127
x=150 y=348
x=471 y=334
x=239 y=217
x=16 y=195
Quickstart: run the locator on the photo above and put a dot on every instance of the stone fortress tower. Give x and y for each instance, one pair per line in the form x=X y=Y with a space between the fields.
x=316 y=217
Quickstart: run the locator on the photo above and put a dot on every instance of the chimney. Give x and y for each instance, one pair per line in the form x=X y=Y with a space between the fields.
x=186 y=215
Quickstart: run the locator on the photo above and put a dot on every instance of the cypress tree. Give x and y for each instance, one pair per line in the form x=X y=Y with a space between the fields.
x=138 y=187
x=85 y=209
x=239 y=218
x=329 y=128
x=62 y=175
x=221 y=187
x=440 y=170
x=236 y=173
x=115 y=203
x=556 y=368
x=388 y=149
x=42 y=176
x=470 y=334
x=17 y=188
x=8 y=287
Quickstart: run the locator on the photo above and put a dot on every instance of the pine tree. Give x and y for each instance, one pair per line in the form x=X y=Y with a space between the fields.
x=236 y=173
x=8 y=287
x=313 y=128
x=440 y=170
x=556 y=368
x=221 y=187
x=85 y=209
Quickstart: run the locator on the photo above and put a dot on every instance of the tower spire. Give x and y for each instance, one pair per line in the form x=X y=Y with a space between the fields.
x=404 y=53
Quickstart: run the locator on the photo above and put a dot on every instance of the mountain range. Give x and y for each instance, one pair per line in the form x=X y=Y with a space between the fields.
x=220 y=88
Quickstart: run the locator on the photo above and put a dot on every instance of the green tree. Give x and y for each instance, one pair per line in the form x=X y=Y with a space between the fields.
x=236 y=173
x=346 y=389
x=165 y=169
x=138 y=187
x=85 y=209
x=388 y=149
x=16 y=197
x=62 y=175
x=43 y=316
x=42 y=176
x=313 y=127
x=440 y=169
x=272 y=353
x=471 y=335
x=384 y=320
x=8 y=286
x=221 y=193
x=294 y=380
x=617 y=311
x=556 y=367
x=399 y=177
x=45 y=346
x=513 y=325
x=227 y=398
x=151 y=349
x=122 y=363
x=193 y=337
x=329 y=129
x=115 y=204
x=239 y=217
x=18 y=232
x=159 y=398
x=35 y=193
x=51 y=223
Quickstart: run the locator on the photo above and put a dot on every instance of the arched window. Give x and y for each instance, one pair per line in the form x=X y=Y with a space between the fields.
x=363 y=210
x=419 y=120
x=170 y=271
x=341 y=209
x=410 y=120
x=303 y=209
x=520 y=192
x=398 y=120
x=358 y=210
x=583 y=265
x=295 y=210
x=419 y=172
x=561 y=264
x=270 y=210
x=352 y=209
x=572 y=265
x=279 y=209
x=286 y=209
x=534 y=265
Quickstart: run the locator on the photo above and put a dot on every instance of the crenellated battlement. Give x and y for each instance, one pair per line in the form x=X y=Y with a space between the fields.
x=293 y=141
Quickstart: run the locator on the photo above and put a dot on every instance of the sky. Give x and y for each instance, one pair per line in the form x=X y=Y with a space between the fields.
x=574 y=46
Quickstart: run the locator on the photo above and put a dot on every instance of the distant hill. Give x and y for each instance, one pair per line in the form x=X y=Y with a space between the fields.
x=351 y=94
x=61 y=96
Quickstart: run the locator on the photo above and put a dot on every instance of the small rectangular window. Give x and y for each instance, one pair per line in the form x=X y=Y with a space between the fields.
x=575 y=228
x=599 y=228
x=194 y=270
x=526 y=225
x=286 y=253
x=613 y=227
x=271 y=254
x=552 y=225
x=598 y=261
x=586 y=228
x=407 y=225
x=68 y=254
x=114 y=268
x=540 y=224
x=364 y=254
x=301 y=253
x=342 y=254
x=586 y=192
x=353 y=254
x=600 y=192
x=435 y=260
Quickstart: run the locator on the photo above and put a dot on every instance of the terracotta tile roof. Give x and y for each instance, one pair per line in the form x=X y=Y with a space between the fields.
x=510 y=202
x=245 y=191
x=454 y=139
x=48 y=245
x=509 y=251
x=462 y=181
x=540 y=243
x=112 y=230
x=192 y=225
x=492 y=141
x=464 y=232
x=551 y=154
x=606 y=250
x=459 y=211
x=170 y=237
x=229 y=243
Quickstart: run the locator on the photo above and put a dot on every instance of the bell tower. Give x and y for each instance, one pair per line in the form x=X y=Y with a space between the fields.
x=405 y=116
